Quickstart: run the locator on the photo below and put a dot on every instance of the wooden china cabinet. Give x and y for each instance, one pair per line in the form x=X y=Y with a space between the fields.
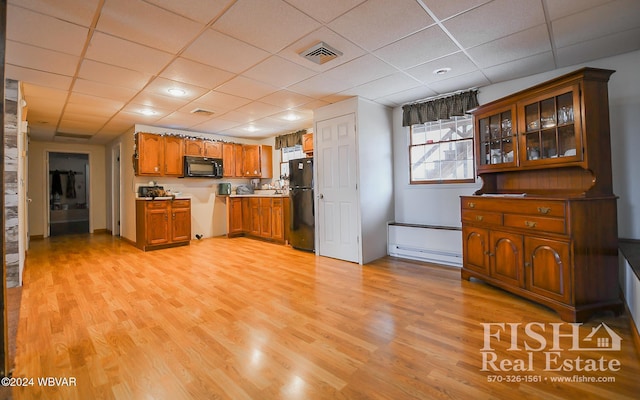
x=543 y=225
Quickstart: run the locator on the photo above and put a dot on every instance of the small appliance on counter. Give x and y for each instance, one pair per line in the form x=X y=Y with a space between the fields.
x=151 y=191
x=224 y=189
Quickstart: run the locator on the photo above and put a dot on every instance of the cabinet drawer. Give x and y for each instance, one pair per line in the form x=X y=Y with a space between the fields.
x=156 y=205
x=485 y=217
x=534 y=223
x=181 y=203
x=547 y=208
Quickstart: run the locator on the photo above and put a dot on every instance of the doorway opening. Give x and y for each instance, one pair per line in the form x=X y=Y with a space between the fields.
x=68 y=193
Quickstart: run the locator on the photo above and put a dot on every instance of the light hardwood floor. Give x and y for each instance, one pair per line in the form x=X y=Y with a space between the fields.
x=243 y=319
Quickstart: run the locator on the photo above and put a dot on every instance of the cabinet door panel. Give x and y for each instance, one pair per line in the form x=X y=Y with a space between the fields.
x=213 y=149
x=277 y=221
x=157 y=228
x=235 y=215
x=507 y=258
x=475 y=248
x=193 y=147
x=150 y=154
x=265 y=217
x=254 y=204
x=181 y=224
x=173 y=155
x=547 y=264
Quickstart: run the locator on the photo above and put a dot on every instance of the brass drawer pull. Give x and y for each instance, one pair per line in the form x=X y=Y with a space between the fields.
x=471 y=205
x=530 y=224
x=479 y=217
x=544 y=210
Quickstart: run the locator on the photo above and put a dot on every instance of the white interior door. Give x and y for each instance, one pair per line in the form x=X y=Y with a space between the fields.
x=338 y=210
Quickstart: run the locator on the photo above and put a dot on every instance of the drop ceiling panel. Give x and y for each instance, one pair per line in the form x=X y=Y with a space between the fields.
x=215 y=125
x=152 y=100
x=106 y=91
x=197 y=10
x=459 y=63
x=39 y=30
x=79 y=12
x=422 y=46
x=221 y=51
x=562 y=8
x=408 y=96
x=182 y=120
x=267 y=24
x=466 y=81
x=122 y=53
x=113 y=75
x=523 y=67
x=494 y=20
x=383 y=87
x=377 y=23
x=326 y=10
x=216 y=101
x=571 y=29
x=161 y=87
x=88 y=111
x=286 y=99
x=195 y=73
x=143 y=23
x=247 y=88
x=257 y=110
x=37 y=77
x=97 y=102
x=318 y=86
x=513 y=47
x=601 y=47
x=447 y=9
x=279 y=72
x=361 y=70
x=40 y=59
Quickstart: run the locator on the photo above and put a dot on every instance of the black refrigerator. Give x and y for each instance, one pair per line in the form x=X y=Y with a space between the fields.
x=302 y=229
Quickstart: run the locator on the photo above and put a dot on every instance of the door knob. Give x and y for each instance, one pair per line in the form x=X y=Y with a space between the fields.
x=321 y=196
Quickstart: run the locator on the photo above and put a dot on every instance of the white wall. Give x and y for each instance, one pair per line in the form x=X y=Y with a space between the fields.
x=39 y=193
x=208 y=212
x=440 y=205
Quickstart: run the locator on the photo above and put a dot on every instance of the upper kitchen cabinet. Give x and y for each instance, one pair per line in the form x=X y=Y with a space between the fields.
x=158 y=155
x=257 y=161
x=552 y=137
x=232 y=160
x=202 y=148
x=307 y=144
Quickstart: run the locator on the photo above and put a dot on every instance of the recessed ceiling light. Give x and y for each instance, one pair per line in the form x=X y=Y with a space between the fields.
x=147 y=112
x=251 y=128
x=176 y=92
x=291 y=117
x=442 y=71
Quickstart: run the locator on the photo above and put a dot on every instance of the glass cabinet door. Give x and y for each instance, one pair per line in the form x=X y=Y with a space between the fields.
x=497 y=139
x=550 y=128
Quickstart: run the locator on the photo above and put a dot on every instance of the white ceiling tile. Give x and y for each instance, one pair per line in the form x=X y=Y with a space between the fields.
x=40 y=59
x=221 y=51
x=523 y=67
x=147 y=24
x=513 y=47
x=361 y=70
x=319 y=86
x=599 y=48
x=37 y=77
x=326 y=10
x=314 y=105
x=459 y=63
x=78 y=128
x=596 y=22
x=105 y=105
x=134 y=111
x=462 y=82
x=80 y=116
x=113 y=75
x=161 y=87
x=217 y=101
x=377 y=23
x=286 y=99
x=257 y=110
x=87 y=112
x=79 y=12
x=215 y=125
x=182 y=120
x=348 y=49
x=240 y=118
x=279 y=72
x=422 y=46
x=494 y=20
x=562 y=8
x=104 y=90
x=195 y=73
x=411 y=95
x=44 y=93
x=247 y=88
x=267 y=24
x=116 y=51
x=197 y=10
x=40 y=30
x=383 y=87
x=446 y=9
x=153 y=101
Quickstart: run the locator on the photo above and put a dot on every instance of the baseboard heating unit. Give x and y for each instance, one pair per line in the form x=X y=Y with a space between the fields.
x=430 y=243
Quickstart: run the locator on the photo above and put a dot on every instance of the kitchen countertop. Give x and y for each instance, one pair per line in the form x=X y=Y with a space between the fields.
x=260 y=195
x=164 y=198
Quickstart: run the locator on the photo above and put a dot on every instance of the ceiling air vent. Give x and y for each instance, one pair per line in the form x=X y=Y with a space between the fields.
x=75 y=136
x=202 y=111
x=321 y=53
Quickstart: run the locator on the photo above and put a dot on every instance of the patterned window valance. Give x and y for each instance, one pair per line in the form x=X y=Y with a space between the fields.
x=290 y=140
x=441 y=108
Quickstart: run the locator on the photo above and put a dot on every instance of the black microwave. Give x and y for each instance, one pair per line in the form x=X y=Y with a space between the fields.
x=202 y=167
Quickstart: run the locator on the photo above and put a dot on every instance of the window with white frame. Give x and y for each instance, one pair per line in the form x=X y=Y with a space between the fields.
x=442 y=151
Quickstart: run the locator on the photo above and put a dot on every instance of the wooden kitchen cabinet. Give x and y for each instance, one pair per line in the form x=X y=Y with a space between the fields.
x=158 y=155
x=212 y=149
x=162 y=223
x=193 y=147
x=543 y=224
x=257 y=161
x=259 y=217
x=307 y=143
x=232 y=160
